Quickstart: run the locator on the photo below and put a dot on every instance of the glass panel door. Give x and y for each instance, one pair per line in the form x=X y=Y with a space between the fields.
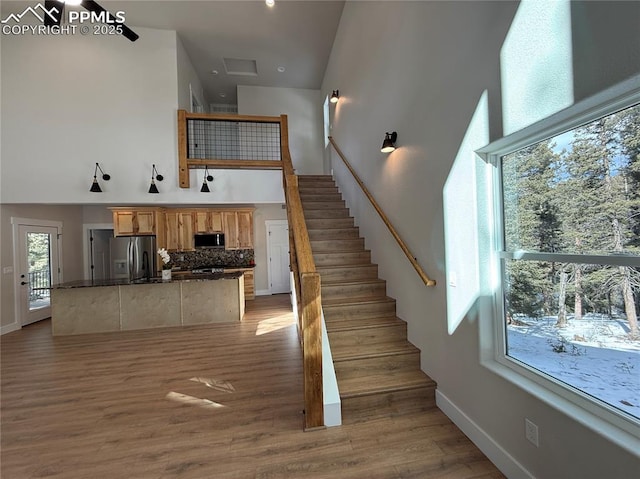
x=38 y=250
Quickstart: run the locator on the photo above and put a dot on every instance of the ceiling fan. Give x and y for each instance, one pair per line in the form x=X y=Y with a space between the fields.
x=51 y=20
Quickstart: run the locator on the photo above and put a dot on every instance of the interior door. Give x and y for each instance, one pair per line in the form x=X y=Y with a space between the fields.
x=278 y=249
x=38 y=269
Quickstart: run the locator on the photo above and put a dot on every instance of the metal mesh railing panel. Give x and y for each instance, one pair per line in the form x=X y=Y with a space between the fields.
x=233 y=140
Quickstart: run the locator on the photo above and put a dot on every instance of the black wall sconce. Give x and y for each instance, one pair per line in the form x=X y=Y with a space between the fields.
x=205 y=185
x=154 y=176
x=335 y=96
x=95 y=186
x=389 y=143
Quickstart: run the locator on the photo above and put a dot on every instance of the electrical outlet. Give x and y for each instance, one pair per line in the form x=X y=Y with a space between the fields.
x=531 y=432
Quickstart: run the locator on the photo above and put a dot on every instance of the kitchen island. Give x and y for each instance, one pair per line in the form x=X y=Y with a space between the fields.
x=79 y=307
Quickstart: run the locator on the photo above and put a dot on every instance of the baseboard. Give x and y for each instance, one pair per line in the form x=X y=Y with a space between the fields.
x=8 y=328
x=262 y=292
x=501 y=458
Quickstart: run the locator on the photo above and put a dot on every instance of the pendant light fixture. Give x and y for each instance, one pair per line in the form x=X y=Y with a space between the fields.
x=154 y=176
x=389 y=143
x=335 y=96
x=205 y=185
x=95 y=186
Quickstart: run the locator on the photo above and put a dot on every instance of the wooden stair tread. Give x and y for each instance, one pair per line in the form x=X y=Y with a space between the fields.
x=352 y=282
x=380 y=383
x=391 y=348
x=362 y=323
x=357 y=300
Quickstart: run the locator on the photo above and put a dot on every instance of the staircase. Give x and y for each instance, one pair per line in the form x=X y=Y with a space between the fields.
x=378 y=370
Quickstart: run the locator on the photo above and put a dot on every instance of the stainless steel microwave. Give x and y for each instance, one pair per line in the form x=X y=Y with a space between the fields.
x=213 y=240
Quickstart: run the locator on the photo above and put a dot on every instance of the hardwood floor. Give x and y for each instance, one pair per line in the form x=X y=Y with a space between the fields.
x=219 y=401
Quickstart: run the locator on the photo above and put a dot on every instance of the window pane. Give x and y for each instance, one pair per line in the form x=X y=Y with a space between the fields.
x=573 y=322
x=576 y=193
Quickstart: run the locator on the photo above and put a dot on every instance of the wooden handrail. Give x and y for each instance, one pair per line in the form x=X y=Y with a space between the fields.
x=414 y=262
x=307 y=287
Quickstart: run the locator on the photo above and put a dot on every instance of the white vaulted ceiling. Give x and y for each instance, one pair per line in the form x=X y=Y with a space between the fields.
x=295 y=35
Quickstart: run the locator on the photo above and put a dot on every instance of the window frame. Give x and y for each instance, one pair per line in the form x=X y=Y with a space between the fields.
x=616 y=425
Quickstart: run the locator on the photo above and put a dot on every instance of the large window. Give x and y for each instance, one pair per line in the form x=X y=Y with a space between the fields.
x=568 y=254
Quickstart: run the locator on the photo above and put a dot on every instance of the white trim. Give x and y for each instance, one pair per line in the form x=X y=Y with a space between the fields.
x=16 y=222
x=263 y=292
x=9 y=328
x=86 y=255
x=614 y=425
x=507 y=464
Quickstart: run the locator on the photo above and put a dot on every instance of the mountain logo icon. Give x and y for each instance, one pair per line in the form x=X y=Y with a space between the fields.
x=39 y=11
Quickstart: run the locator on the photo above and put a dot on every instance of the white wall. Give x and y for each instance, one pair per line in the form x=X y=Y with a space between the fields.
x=188 y=78
x=304 y=111
x=71 y=101
x=421 y=69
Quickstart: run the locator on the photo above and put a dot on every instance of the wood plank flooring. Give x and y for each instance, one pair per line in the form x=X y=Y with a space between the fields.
x=219 y=401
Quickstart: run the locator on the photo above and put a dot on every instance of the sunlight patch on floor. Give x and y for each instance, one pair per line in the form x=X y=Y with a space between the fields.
x=193 y=401
x=223 y=386
x=274 y=324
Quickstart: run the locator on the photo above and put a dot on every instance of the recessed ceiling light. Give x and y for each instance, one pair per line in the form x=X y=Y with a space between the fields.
x=270 y=3
x=281 y=69
x=223 y=95
x=214 y=72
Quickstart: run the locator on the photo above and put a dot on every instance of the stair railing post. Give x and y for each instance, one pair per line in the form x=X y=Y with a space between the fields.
x=312 y=350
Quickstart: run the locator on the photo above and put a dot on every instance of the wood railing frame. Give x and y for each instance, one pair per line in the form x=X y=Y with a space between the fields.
x=307 y=286
x=185 y=163
x=405 y=249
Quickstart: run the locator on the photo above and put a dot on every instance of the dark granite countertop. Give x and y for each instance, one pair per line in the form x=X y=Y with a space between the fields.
x=156 y=280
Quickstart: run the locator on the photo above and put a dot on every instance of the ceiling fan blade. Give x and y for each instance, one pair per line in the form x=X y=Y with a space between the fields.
x=95 y=7
x=53 y=14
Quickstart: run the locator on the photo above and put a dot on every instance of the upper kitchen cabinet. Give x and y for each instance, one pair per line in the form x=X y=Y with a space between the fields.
x=139 y=221
x=238 y=229
x=208 y=221
x=179 y=230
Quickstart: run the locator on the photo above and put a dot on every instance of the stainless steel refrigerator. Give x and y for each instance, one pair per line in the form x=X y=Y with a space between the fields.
x=132 y=257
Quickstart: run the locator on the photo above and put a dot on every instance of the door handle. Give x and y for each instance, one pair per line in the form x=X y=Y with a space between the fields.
x=23 y=283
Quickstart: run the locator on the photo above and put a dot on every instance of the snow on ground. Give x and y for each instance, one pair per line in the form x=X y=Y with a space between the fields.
x=593 y=354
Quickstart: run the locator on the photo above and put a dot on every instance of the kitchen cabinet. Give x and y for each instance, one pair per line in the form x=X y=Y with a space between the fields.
x=238 y=229
x=249 y=281
x=134 y=222
x=208 y=221
x=179 y=230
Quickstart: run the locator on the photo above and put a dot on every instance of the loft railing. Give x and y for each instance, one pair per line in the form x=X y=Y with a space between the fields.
x=405 y=249
x=227 y=141
x=262 y=142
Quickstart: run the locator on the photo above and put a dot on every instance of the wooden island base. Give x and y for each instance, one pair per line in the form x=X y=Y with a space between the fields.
x=77 y=309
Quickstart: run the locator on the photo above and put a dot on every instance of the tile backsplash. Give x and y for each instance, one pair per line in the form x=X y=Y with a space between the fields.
x=201 y=258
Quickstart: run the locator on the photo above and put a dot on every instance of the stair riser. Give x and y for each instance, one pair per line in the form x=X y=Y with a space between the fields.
x=356 y=290
x=311 y=197
x=356 y=311
x=323 y=205
x=342 y=258
x=330 y=223
x=355 y=244
x=352 y=340
x=346 y=273
x=326 y=214
x=391 y=404
x=319 y=190
x=335 y=233
x=376 y=365
x=315 y=183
